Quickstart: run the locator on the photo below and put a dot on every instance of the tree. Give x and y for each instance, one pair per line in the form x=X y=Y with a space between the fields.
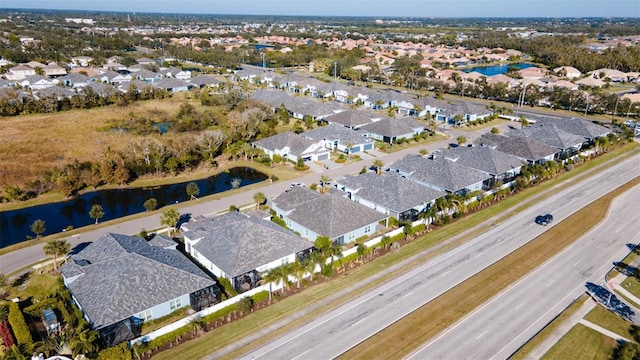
x=84 y=342
x=349 y=146
x=259 y=198
x=235 y=183
x=38 y=228
x=151 y=204
x=424 y=152
x=298 y=270
x=461 y=140
x=322 y=243
x=324 y=181
x=170 y=218
x=378 y=165
x=192 y=190
x=56 y=248
x=96 y=212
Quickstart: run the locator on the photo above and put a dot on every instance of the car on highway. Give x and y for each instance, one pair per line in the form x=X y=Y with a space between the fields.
x=544 y=219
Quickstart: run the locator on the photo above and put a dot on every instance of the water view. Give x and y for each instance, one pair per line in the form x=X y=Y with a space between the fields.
x=15 y=225
x=497 y=69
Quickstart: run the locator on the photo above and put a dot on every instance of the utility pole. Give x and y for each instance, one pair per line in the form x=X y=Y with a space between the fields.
x=263 y=61
x=586 y=108
x=335 y=69
x=615 y=110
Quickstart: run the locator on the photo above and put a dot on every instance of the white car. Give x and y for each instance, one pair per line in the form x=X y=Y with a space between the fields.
x=296 y=183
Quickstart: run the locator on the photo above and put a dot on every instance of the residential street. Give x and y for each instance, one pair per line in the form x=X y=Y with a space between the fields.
x=26 y=256
x=336 y=331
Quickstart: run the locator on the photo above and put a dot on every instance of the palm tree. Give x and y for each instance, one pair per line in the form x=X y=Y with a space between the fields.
x=314 y=260
x=283 y=273
x=84 y=343
x=170 y=218
x=270 y=277
x=461 y=140
x=38 y=228
x=324 y=180
x=378 y=165
x=298 y=270
x=349 y=146
x=259 y=198
x=56 y=248
x=192 y=190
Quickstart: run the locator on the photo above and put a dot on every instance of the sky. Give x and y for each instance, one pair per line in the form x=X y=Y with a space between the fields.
x=374 y=8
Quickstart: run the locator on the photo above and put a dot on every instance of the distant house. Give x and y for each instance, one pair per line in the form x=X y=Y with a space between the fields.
x=428 y=105
x=82 y=61
x=121 y=281
x=527 y=149
x=202 y=81
x=568 y=144
x=463 y=111
x=36 y=82
x=501 y=166
x=54 y=70
x=389 y=193
x=291 y=146
x=568 y=71
x=172 y=85
x=313 y=214
x=390 y=130
x=239 y=248
x=20 y=72
x=176 y=73
x=442 y=175
x=353 y=119
x=75 y=80
x=338 y=137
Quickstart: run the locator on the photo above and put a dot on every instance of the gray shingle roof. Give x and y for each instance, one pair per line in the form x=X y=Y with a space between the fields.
x=336 y=132
x=329 y=215
x=121 y=275
x=391 y=190
x=393 y=127
x=483 y=158
x=439 y=172
x=523 y=147
x=353 y=118
x=204 y=80
x=575 y=126
x=237 y=243
x=171 y=83
x=297 y=143
x=550 y=135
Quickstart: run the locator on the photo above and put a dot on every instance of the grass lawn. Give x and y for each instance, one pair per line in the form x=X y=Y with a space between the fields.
x=437 y=315
x=37 y=142
x=582 y=342
x=632 y=285
x=608 y=320
x=34 y=285
x=317 y=295
x=540 y=337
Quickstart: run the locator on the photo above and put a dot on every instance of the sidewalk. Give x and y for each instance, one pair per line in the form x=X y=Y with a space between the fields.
x=559 y=332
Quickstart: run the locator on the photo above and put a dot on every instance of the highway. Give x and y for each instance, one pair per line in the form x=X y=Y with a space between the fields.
x=501 y=326
x=338 y=330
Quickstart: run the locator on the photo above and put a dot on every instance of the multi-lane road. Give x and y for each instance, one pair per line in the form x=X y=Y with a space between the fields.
x=501 y=326
x=340 y=329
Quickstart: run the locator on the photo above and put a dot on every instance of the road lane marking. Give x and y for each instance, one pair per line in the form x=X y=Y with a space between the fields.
x=550 y=282
x=597 y=246
x=409 y=293
x=479 y=336
x=445 y=273
x=359 y=321
x=519 y=306
x=577 y=262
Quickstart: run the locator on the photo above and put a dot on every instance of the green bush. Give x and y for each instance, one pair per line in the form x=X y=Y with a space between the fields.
x=350 y=258
x=119 y=352
x=313 y=187
x=361 y=238
x=262 y=295
x=36 y=309
x=228 y=288
x=19 y=326
x=418 y=228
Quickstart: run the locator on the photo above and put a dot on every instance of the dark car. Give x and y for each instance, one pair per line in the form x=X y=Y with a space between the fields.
x=544 y=219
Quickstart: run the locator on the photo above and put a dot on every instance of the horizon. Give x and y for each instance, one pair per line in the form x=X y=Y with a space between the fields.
x=352 y=8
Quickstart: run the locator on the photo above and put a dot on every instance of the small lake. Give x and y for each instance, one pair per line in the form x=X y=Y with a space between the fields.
x=497 y=69
x=15 y=225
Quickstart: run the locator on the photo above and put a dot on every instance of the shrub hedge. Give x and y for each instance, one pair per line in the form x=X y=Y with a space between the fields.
x=118 y=352
x=19 y=326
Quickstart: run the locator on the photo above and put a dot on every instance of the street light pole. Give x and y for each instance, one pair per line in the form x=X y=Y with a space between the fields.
x=615 y=110
x=263 y=61
x=335 y=69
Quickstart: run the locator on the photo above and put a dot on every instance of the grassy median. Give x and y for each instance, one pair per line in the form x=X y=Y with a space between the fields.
x=423 y=324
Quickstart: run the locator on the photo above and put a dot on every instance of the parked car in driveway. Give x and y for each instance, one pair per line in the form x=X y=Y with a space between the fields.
x=544 y=219
x=296 y=183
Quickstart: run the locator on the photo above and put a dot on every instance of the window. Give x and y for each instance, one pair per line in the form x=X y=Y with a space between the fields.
x=146 y=316
x=367 y=229
x=175 y=304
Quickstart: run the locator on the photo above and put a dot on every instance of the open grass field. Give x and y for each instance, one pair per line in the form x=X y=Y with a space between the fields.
x=610 y=321
x=436 y=316
x=632 y=285
x=318 y=295
x=582 y=342
x=31 y=144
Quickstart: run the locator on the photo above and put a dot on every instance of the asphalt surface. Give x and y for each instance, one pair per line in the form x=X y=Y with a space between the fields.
x=338 y=330
x=504 y=324
x=26 y=256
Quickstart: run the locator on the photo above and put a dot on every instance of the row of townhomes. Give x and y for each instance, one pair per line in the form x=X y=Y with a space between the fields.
x=122 y=281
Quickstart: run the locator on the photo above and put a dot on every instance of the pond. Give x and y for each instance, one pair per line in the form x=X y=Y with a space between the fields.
x=497 y=69
x=15 y=225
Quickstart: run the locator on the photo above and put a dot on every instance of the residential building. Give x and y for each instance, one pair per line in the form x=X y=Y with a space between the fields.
x=239 y=247
x=313 y=214
x=291 y=146
x=121 y=281
x=390 y=130
x=338 y=137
